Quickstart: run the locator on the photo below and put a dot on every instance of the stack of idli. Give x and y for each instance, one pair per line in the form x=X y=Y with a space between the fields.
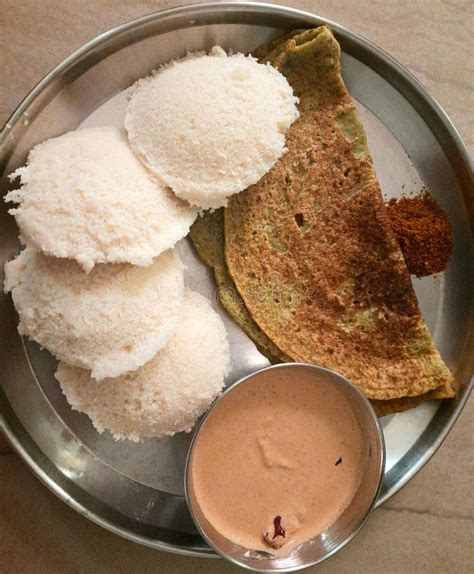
x=168 y=393
x=99 y=283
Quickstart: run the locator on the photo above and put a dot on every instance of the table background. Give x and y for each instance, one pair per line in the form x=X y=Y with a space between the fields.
x=428 y=527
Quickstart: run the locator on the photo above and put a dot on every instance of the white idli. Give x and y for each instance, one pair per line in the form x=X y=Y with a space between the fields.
x=169 y=393
x=112 y=320
x=85 y=196
x=211 y=125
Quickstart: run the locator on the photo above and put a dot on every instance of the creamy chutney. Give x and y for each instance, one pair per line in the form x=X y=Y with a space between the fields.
x=277 y=461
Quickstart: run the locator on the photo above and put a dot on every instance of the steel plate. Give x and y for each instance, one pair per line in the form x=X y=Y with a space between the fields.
x=137 y=490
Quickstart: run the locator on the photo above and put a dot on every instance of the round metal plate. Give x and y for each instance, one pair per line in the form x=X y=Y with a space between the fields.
x=137 y=490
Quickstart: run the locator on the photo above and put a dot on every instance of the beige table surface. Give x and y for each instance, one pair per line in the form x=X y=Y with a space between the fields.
x=426 y=528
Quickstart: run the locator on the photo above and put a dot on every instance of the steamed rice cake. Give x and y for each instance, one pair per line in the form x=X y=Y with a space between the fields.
x=111 y=320
x=85 y=196
x=170 y=392
x=210 y=125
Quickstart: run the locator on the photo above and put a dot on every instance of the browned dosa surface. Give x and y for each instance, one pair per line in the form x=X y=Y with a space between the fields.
x=310 y=248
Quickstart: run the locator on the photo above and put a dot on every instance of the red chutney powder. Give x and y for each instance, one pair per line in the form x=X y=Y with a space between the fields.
x=424 y=232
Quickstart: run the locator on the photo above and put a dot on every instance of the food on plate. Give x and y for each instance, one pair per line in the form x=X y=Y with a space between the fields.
x=207 y=235
x=310 y=248
x=277 y=461
x=305 y=257
x=210 y=125
x=424 y=233
x=168 y=393
x=384 y=408
x=111 y=320
x=85 y=196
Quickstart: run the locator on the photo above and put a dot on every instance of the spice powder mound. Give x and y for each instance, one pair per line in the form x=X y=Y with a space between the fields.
x=424 y=232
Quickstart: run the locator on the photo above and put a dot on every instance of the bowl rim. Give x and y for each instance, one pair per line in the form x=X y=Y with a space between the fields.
x=380 y=463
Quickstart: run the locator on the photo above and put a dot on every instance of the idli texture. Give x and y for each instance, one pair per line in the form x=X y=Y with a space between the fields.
x=111 y=320
x=168 y=393
x=85 y=196
x=210 y=125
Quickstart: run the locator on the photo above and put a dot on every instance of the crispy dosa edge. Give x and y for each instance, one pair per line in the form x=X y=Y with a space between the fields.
x=207 y=236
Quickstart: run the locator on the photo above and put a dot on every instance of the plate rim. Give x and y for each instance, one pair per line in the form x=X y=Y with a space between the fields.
x=382 y=60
